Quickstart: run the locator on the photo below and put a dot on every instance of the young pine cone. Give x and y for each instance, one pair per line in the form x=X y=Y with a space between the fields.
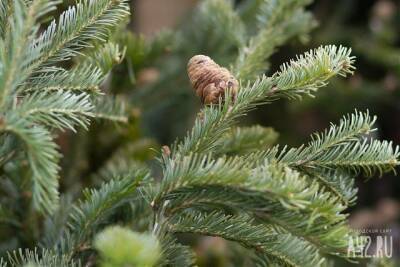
x=209 y=80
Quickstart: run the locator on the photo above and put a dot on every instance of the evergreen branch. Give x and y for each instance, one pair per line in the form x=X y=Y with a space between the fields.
x=349 y=129
x=224 y=16
x=340 y=146
x=228 y=198
x=80 y=79
x=62 y=110
x=311 y=71
x=278 y=21
x=218 y=26
x=42 y=157
x=241 y=140
x=339 y=183
x=315 y=68
x=175 y=254
x=326 y=233
x=125 y=159
x=246 y=10
x=196 y=169
x=99 y=204
x=55 y=226
x=276 y=180
x=279 y=194
x=104 y=57
x=117 y=165
x=283 y=249
x=88 y=21
x=366 y=156
x=141 y=51
x=273 y=13
x=110 y=108
x=215 y=121
x=294 y=247
x=297 y=206
x=44 y=257
x=14 y=50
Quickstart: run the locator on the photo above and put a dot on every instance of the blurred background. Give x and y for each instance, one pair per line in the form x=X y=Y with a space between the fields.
x=153 y=83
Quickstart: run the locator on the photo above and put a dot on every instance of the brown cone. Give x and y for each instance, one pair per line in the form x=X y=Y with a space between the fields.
x=209 y=80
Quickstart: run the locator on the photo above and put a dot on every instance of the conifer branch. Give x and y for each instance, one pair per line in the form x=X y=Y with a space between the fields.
x=110 y=109
x=242 y=140
x=78 y=79
x=311 y=71
x=36 y=257
x=103 y=57
x=61 y=110
x=327 y=233
x=350 y=128
x=46 y=100
x=97 y=206
x=293 y=203
x=338 y=183
x=289 y=199
x=220 y=24
x=174 y=253
x=368 y=156
x=286 y=205
x=285 y=188
x=56 y=225
x=14 y=50
x=215 y=121
x=195 y=169
x=77 y=28
x=278 y=21
x=85 y=76
x=281 y=249
x=43 y=160
x=342 y=146
x=122 y=161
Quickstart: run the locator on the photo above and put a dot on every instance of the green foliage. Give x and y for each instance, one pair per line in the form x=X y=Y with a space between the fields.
x=77 y=27
x=33 y=258
x=36 y=94
x=174 y=253
x=277 y=22
x=243 y=140
x=277 y=248
x=310 y=71
x=343 y=147
x=216 y=120
x=98 y=205
x=284 y=206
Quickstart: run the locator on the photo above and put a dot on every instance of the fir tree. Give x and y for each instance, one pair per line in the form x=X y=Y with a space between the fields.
x=285 y=206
